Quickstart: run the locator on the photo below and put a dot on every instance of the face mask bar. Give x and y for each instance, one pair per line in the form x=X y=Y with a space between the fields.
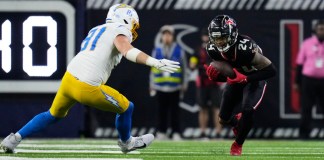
x=135 y=26
x=225 y=39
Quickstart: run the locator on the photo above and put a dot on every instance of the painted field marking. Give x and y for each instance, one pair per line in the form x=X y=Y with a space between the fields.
x=63 y=141
x=92 y=146
x=21 y=158
x=289 y=153
x=210 y=152
x=71 y=151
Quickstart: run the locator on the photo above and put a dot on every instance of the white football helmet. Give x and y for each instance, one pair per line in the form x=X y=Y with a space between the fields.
x=125 y=14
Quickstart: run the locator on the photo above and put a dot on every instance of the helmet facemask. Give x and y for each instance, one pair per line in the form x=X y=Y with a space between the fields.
x=135 y=26
x=221 y=42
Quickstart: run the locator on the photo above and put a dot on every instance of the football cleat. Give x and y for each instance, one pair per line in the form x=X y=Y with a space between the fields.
x=236 y=149
x=9 y=144
x=161 y=136
x=136 y=143
x=235 y=129
x=176 y=137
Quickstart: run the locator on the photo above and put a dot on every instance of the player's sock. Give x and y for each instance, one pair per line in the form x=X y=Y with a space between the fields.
x=38 y=123
x=244 y=126
x=124 y=123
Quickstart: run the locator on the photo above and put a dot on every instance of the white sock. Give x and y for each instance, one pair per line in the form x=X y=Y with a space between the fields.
x=18 y=137
x=129 y=140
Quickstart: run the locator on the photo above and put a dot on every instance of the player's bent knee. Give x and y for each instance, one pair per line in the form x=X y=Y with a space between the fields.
x=129 y=109
x=222 y=121
x=58 y=113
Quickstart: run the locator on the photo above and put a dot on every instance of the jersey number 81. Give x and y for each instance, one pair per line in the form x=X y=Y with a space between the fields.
x=91 y=33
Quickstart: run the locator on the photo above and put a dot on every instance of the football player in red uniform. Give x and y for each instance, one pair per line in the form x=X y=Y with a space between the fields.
x=251 y=67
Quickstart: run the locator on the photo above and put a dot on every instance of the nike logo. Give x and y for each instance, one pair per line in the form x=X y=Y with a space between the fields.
x=140 y=147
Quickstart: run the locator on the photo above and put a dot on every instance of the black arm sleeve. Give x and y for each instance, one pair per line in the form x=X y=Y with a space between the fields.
x=298 y=74
x=263 y=74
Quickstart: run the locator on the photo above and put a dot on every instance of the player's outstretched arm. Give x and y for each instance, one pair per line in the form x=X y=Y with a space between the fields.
x=135 y=55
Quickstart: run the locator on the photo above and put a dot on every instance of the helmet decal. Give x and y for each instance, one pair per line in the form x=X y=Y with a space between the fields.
x=230 y=22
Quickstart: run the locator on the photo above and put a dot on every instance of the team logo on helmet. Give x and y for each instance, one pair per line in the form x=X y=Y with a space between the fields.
x=230 y=22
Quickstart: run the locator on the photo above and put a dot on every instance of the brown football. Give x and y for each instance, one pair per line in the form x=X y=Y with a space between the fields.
x=224 y=68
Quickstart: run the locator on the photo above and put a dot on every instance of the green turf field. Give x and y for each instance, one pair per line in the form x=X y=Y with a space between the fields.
x=67 y=149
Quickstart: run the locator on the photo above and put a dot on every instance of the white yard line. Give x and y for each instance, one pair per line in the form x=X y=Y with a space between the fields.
x=244 y=152
x=91 y=141
x=71 y=151
x=92 y=146
x=21 y=158
x=285 y=153
x=248 y=149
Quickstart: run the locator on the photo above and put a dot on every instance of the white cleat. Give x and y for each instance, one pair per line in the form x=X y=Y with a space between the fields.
x=161 y=136
x=136 y=143
x=176 y=137
x=9 y=144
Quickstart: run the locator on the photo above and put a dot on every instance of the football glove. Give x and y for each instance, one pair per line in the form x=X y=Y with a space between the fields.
x=211 y=72
x=240 y=78
x=166 y=65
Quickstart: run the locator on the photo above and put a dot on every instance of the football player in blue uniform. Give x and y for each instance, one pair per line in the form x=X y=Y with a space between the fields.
x=87 y=73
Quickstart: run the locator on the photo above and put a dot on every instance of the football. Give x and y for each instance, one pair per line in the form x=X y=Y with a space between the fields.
x=224 y=68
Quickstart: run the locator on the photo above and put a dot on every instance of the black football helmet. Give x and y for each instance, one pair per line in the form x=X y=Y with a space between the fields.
x=223 y=32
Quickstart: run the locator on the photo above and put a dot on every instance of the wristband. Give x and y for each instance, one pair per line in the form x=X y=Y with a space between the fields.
x=132 y=54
